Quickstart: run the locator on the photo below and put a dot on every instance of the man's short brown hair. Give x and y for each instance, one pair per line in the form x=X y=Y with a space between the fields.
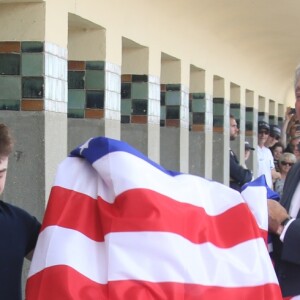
x=6 y=141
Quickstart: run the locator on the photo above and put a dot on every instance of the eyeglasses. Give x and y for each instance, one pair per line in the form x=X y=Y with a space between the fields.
x=264 y=132
x=276 y=137
x=285 y=163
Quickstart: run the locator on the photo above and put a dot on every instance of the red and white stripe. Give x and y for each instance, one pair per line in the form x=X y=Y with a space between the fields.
x=123 y=229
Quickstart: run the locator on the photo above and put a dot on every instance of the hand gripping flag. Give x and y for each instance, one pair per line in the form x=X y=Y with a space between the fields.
x=119 y=226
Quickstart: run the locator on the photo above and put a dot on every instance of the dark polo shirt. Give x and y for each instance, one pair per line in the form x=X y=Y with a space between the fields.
x=18 y=231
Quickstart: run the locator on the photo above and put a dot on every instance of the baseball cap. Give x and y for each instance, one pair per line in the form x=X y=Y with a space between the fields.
x=248 y=146
x=263 y=125
x=275 y=130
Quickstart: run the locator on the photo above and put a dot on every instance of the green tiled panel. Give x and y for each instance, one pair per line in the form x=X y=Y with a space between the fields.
x=76 y=79
x=75 y=113
x=139 y=107
x=218 y=108
x=10 y=87
x=9 y=104
x=76 y=99
x=32 y=64
x=139 y=90
x=198 y=95
x=95 y=99
x=94 y=80
x=33 y=87
x=173 y=98
x=173 y=112
x=9 y=64
x=126 y=107
x=95 y=65
x=198 y=105
x=162 y=112
x=32 y=47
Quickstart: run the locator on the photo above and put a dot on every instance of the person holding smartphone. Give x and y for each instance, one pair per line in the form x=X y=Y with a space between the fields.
x=292 y=116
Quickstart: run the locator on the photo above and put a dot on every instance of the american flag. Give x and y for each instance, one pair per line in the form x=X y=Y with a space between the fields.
x=120 y=226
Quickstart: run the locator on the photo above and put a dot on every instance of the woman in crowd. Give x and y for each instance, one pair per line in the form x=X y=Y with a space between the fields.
x=277 y=151
x=286 y=161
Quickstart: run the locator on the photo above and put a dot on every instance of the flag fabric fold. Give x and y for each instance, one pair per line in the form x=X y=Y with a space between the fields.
x=119 y=226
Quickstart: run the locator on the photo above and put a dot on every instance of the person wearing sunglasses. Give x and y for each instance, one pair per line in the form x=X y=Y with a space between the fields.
x=265 y=158
x=274 y=136
x=286 y=161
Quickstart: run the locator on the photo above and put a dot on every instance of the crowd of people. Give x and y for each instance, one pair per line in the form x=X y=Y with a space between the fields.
x=278 y=158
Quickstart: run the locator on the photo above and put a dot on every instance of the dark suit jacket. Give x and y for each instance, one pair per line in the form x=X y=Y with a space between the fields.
x=287 y=254
x=238 y=175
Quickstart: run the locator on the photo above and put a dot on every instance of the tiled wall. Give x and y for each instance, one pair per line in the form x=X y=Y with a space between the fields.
x=22 y=76
x=249 y=118
x=134 y=99
x=218 y=112
x=170 y=96
x=86 y=86
x=197 y=108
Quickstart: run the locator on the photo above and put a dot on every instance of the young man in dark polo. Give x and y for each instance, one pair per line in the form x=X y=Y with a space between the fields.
x=18 y=231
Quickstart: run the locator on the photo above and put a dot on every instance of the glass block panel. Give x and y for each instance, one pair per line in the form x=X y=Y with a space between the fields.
x=95 y=65
x=94 y=80
x=139 y=90
x=76 y=79
x=173 y=98
x=126 y=107
x=32 y=47
x=10 y=64
x=173 y=87
x=76 y=99
x=95 y=99
x=9 y=104
x=33 y=87
x=125 y=90
x=173 y=112
x=139 y=107
x=125 y=119
x=10 y=87
x=32 y=64
x=75 y=113
x=139 y=78
x=198 y=118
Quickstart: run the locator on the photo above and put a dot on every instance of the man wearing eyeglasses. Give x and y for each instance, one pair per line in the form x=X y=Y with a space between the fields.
x=264 y=155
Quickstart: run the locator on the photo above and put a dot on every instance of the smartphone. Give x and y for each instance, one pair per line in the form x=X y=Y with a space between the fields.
x=292 y=111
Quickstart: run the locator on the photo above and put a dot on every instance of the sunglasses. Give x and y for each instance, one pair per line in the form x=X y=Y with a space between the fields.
x=264 y=132
x=284 y=163
x=276 y=137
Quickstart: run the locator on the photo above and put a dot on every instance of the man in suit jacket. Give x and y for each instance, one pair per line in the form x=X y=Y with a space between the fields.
x=286 y=242
x=239 y=175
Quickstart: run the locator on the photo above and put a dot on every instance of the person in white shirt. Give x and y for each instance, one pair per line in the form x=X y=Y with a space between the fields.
x=265 y=158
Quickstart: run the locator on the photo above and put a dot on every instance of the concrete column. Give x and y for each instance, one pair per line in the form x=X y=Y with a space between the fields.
x=221 y=130
x=174 y=114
